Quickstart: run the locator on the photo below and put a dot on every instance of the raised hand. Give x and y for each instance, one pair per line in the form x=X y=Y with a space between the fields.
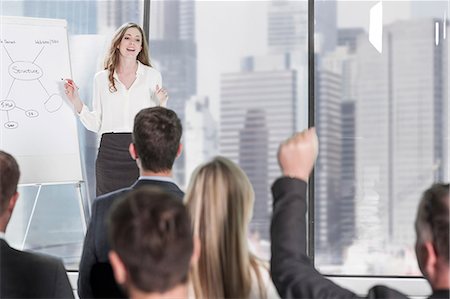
x=162 y=95
x=297 y=154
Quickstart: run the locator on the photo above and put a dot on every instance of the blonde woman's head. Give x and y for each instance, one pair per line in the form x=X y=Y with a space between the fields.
x=220 y=201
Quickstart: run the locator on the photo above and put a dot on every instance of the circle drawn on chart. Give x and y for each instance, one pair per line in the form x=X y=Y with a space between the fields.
x=6 y=105
x=31 y=113
x=11 y=125
x=53 y=103
x=25 y=70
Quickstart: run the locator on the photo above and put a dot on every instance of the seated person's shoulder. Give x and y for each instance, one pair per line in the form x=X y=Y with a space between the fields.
x=40 y=263
x=106 y=200
x=380 y=291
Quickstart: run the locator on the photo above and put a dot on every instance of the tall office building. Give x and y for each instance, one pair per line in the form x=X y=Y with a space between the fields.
x=112 y=14
x=288 y=27
x=174 y=20
x=174 y=53
x=325 y=25
x=340 y=62
x=401 y=119
x=328 y=167
x=257 y=113
x=253 y=154
x=201 y=134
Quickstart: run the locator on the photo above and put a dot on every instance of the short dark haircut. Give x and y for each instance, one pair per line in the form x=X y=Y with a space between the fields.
x=156 y=136
x=432 y=221
x=151 y=232
x=9 y=177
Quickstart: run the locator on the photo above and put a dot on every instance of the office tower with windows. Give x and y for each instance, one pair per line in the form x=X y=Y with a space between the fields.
x=328 y=167
x=201 y=134
x=401 y=122
x=257 y=113
x=112 y=14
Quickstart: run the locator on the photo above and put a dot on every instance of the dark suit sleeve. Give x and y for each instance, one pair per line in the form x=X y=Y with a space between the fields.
x=88 y=257
x=292 y=271
x=63 y=289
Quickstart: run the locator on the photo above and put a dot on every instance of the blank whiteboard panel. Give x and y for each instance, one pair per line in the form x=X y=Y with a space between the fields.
x=37 y=123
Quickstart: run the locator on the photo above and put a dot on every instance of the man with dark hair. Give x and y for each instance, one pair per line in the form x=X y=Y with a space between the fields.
x=432 y=242
x=156 y=143
x=24 y=274
x=293 y=273
x=151 y=244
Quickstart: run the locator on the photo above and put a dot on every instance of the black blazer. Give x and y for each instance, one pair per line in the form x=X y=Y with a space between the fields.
x=29 y=275
x=292 y=271
x=95 y=278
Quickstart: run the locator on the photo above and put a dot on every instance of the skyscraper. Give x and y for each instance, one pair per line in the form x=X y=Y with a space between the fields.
x=253 y=154
x=200 y=134
x=328 y=167
x=112 y=14
x=257 y=113
x=401 y=118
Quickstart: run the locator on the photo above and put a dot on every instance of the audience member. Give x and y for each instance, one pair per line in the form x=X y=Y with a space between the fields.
x=220 y=201
x=156 y=143
x=151 y=244
x=24 y=274
x=293 y=273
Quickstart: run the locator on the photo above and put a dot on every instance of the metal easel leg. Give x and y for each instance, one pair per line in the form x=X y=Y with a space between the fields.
x=31 y=217
x=81 y=208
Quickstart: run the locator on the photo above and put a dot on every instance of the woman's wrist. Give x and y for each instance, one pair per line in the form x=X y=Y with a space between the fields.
x=78 y=105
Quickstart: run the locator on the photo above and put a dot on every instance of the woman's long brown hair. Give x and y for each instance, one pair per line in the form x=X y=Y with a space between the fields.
x=112 y=59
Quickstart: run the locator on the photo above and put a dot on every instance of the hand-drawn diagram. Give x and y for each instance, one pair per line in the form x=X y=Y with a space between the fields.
x=27 y=71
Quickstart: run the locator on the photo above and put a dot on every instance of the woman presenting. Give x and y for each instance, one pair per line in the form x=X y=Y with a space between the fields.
x=127 y=84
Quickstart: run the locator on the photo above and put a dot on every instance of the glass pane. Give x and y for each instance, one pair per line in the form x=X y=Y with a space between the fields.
x=236 y=74
x=55 y=227
x=382 y=118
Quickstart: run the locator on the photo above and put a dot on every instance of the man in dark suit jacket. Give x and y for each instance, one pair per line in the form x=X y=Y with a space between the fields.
x=24 y=274
x=156 y=143
x=293 y=273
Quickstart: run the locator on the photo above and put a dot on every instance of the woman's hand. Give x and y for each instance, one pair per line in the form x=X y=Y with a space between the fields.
x=161 y=94
x=71 y=90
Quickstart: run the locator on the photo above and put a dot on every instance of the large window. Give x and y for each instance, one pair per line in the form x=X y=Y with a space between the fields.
x=237 y=74
x=381 y=107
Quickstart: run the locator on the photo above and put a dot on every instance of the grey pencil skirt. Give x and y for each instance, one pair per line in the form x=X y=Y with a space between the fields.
x=114 y=168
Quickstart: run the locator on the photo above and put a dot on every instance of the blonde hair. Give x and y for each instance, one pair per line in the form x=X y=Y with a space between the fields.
x=220 y=201
x=112 y=59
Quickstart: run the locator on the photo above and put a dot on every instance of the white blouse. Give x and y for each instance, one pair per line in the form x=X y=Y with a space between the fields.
x=114 y=112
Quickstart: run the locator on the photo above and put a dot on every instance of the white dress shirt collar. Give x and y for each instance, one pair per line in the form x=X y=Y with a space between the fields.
x=140 y=70
x=157 y=178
